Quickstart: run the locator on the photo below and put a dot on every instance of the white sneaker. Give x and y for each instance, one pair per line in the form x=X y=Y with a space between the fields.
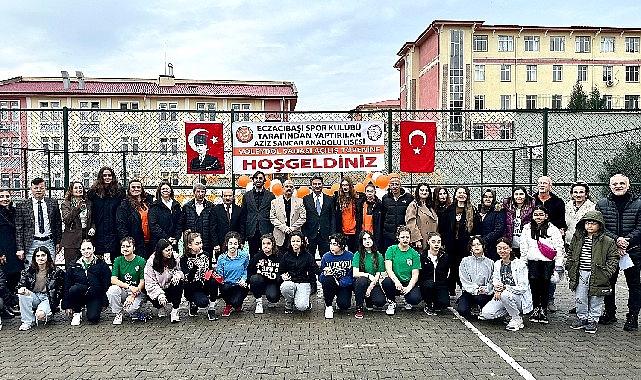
x=329 y=312
x=175 y=315
x=118 y=319
x=515 y=324
x=24 y=327
x=259 y=306
x=391 y=308
x=162 y=312
x=408 y=306
x=75 y=320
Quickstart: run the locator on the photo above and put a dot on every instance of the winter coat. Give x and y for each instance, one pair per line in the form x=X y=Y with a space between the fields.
x=556 y=209
x=55 y=284
x=605 y=258
x=163 y=222
x=521 y=285
x=200 y=223
x=530 y=248
x=573 y=215
x=510 y=214
x=97 y=276
x=448 y=232
x=436 y=275
x=394 y=211
x=301 y=267
x=421 y=220
x=157 y=282
x=255 y=217
x=103 y=215
x=492 y=228
x=629 y=226
x=130 y=224
x=8 y=240
x=72 y=234
x=376 y=209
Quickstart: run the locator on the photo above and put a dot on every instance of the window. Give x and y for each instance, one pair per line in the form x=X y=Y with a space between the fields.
x=135 y=145
x=632 y=74
x=556 y=102
x=17 y=182
x=95 y=144
x=530 y=102
x=174 y=178
x=506 y=102
x=207 y=111
x=163 y=107
x=506 y=73
x=125 y=145
x=5 y=147
x=90 y=144
x=57 y=180
x=479 y=102
x=15 y=143
x=164 y=145
x=480 y=42
x=4 y=113
x=632 y=102
x=45 y=143
x=557 y=73
x=632 y=44
x=608 y=101
x=530 y=73
x=86 y=179
x=582 y=73
x=582 y=44
x=607 y=44
x=506 y=43
x=6 y=181
x=92 y=116
x=84 y=144
x=56 y=145
x=479 y=73
x=557 y=43
x=241 y=116
x=456 y=81
x=164 y=176
x=128 y=105
x=607 y=73
x=531 y=43
x=174 y=145
x=50 y=115
x=492 y=131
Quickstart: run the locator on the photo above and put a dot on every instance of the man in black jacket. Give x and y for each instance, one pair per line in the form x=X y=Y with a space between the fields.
x=319 y=225
x=622 y=214
x=197 y=217
x=255 y=212
x=394 y=204
x=225 y=217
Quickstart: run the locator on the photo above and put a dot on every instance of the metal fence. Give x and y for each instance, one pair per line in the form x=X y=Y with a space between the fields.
x=497 y=149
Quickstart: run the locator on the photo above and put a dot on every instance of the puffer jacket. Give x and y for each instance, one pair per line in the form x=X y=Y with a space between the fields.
x=393 y=214
x=605 y=258
x=163 y=222
x=55 y=284
x=526 y=215
x=492 y=228
x=628 y=226
x=97 y=276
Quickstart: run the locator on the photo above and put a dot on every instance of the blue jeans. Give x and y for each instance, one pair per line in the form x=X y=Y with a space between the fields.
x=587 y=307
x=38 y=301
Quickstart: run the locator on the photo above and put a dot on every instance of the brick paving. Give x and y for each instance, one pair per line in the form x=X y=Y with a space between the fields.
x=409 y=345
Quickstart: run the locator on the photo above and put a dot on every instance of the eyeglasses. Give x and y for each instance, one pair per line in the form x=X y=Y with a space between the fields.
x=105 y=175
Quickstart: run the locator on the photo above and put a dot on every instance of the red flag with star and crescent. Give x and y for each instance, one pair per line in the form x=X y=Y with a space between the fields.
x=418 y=146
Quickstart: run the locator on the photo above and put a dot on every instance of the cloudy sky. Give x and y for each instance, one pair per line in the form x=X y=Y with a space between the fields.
x=338 y=53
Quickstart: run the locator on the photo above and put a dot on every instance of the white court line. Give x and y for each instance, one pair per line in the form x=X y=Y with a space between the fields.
x=507 y=358
x=622 y=287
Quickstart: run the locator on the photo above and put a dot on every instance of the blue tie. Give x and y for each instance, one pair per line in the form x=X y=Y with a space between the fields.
x=41 y=218
x=318 y=206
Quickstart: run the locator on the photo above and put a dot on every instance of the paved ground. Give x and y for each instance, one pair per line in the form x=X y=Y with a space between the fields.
x=410 y=345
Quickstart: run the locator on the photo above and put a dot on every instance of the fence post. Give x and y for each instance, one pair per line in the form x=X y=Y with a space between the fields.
x=231 y=133
x=65 y=145
x=389 y=142
x=545 y=141
x=576 y=159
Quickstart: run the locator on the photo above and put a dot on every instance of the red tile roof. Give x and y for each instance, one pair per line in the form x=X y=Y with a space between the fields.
x=384 y=104
x=150 y=87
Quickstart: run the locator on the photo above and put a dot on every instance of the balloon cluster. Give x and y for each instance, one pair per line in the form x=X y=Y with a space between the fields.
x=378 y=179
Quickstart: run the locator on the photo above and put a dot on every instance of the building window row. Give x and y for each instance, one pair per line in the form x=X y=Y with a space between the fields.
x=8 y=180
x=631 y=102
x=10 y=146
x=582 y=44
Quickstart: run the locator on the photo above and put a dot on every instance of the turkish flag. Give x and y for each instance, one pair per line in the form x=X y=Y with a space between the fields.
x=418 y=146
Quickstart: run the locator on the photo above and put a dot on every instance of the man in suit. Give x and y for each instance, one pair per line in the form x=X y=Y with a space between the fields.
x=287 y=214
x=225 y=217
x=38 y=223
x=255 y=212
x=320 y=222
x=197 y=217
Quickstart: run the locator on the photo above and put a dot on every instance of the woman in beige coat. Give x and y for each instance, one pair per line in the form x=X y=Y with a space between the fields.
x=420 y=217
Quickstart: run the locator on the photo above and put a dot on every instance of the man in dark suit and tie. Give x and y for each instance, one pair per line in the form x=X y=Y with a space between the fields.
x=225 y=217
x=255 y=213
x=38 y=223
x=320 y=222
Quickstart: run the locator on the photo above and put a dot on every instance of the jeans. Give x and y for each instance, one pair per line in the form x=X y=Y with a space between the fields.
x=331 y=290
x=202 y=293
x=509 y=303
x=173 y=293
x=117 y=296
x=233 y=294
x=81 y=295
x=587 y=307
x=262 y=286
x=38 y=301
x=376 y=297
x=296 y=295
x=434 y=295
x=539 y=273
x=28 y=254
x=412 y=298
x=467 y=300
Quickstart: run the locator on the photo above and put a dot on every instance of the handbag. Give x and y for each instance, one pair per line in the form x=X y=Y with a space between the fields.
x=547 y=251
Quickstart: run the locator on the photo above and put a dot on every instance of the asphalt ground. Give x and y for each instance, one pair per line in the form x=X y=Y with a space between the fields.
x=408 y=345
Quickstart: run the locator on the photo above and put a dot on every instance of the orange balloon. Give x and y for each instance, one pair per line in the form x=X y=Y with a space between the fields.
x=359 y=187
x=328 y=192
x=335 y=187
x=302 y=191
x=277 y=189
x=382 y=181
x=268 y=183
x=243 y=180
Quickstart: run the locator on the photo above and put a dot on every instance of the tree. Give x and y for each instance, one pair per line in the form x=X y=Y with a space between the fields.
x=578 y=98
x=596 y=102
x=627 y=163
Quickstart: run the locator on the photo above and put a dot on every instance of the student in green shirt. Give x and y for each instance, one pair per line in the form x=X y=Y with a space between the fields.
x=402 y=264
x=368 y=265
x=127 y=281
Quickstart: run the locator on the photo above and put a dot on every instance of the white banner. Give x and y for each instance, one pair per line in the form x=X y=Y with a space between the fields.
x=316 y=146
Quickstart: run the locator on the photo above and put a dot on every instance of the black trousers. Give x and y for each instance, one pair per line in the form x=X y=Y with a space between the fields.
x=262 y=286
x=233 y=294
x=413 y=297
x=331 y=290
x=539 y=273
x=173 y=293
x=376 y=297
x=202 y=293
x=467 y=300
x=435 y=295
x=81 y=295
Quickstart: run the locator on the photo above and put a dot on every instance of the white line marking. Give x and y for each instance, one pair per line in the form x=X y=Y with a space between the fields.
x=507 y=358
x=622 y=287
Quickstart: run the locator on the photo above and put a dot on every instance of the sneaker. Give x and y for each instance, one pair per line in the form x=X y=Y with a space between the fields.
x=24 y=327
x=288 y=311
x=227 y=311
x=543 y=318
x=15 y=310
x=212 y=315
x=118 y=319
x=429 y=311
x=259 y=306
x=359 y=312
x=534 y=316
x=329 y=312
x=6 y=314
x=552 y=307
x=579 y=324
x=75 y=320
x=591 y=327
x=631 y=322
x=175 y=315
x=607 y=318
x=193 y=309
x=515 y=324
x=408 y=306
x=391 y=308
x=162 y=312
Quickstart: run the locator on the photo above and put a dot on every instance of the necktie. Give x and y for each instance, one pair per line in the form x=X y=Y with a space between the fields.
x=318 y=206
x=227 y=212
x=41 y=218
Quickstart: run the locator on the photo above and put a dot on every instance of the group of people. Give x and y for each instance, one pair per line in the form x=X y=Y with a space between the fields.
x=504 y=255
